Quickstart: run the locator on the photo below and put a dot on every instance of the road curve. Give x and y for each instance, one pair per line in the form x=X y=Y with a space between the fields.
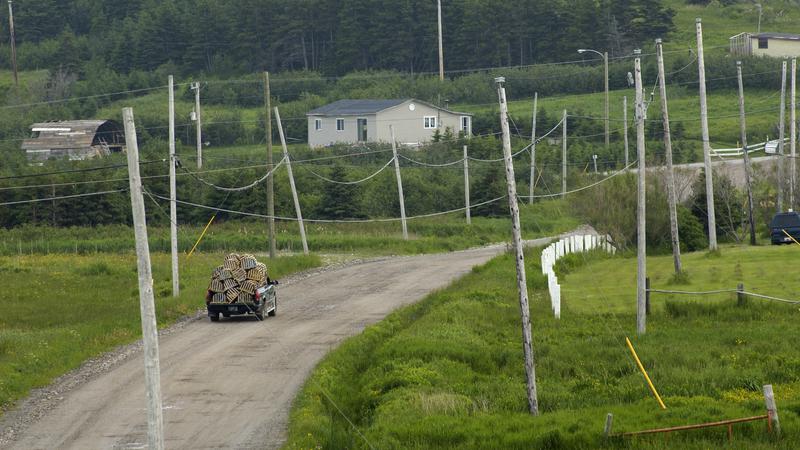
x=231 y=384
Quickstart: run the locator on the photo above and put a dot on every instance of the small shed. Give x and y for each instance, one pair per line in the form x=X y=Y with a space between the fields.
x=776 y=45
x=74 y=140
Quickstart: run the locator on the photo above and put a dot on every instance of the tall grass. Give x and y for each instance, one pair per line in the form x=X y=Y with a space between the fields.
x=447 y=372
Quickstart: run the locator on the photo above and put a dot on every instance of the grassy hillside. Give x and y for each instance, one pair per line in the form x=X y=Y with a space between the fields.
x=448 y=373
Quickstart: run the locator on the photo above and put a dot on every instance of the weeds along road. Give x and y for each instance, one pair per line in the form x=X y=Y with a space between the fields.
x=231 y=384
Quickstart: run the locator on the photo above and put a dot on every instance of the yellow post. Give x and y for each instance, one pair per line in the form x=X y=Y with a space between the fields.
x=201 y=235
x=644 y=372
x=790 y=236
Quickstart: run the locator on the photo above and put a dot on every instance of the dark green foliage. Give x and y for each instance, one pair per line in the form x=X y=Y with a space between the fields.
x=339 y=201
x=334 y=37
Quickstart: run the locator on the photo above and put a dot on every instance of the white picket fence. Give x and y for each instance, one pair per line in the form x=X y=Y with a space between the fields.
x=565 y=246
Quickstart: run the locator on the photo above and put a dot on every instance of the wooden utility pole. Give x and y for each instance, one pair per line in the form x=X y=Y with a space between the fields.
x=671 y=195
x=625 y=126
x=746 y=156
x=152 y=374
x=13 y=43
x=522 y=287
x=466 y=185
x=196 y=87
x=605 y=60
x=533 y=149
x=701 y=69
x=781 y=137
x=270 y=178
x=564 y=155
x=793 y=138
x=441 y=47
x=399 y=184
x=288 y=163
x=173 y=207
x=641 y=237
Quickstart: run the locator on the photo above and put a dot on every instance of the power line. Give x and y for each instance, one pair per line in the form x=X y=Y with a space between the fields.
x=88 y=169
x=37 y=200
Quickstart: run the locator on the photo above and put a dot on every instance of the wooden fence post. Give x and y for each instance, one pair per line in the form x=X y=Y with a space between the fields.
x=609 y=422
x=740 y=296
x=772 y=410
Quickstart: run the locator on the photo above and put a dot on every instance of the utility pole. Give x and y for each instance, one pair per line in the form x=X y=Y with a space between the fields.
x=441 y=48
x=564 y=155
x=625 y=126
x=522 y=287
x=13 y=43
x=173 y=207
x=671 y=195
x=641 y=237
x=196 y=87
x=466 y=185
x=701 y=68
x=745 y=155
x=605 y=61
x=270 y=178
x=793 y=138
x=533 y=150
x=781 y=137
x=288 y=162
x=399 y=184
x=152 y=373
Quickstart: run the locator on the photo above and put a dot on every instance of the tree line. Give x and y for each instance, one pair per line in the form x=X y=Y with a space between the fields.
x=333 y=37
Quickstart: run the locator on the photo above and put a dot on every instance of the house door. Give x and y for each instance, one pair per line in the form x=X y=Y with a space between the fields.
x=362 y=130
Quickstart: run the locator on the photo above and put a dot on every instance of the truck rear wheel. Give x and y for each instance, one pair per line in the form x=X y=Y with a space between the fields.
x=214 y=317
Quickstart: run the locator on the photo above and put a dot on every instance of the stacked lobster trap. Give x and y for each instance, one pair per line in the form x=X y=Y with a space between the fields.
x=237 y=279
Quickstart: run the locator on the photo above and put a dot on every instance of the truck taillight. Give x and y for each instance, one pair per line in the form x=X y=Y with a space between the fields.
x=258 y=295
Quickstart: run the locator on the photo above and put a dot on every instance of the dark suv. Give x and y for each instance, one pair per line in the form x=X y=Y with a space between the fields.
x=789 y=221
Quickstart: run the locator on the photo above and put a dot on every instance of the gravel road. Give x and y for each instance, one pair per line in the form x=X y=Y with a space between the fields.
x=229 y=384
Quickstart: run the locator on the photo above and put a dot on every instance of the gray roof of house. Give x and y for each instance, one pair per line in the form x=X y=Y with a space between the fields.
x=355 y=107
x=786 y=36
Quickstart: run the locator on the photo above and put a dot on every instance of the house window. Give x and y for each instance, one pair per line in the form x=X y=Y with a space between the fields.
x=430 y=122
x=318 y=124
x=465 y=124
x=763 y=42
x=339 y=124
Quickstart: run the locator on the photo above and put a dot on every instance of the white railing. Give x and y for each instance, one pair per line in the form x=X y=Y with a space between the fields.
x=768 y=147
x=565 y=246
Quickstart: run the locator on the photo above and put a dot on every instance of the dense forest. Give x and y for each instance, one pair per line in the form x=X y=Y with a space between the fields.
x=333 y=37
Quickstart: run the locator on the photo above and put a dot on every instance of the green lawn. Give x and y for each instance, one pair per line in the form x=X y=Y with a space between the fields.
x=447 y=372
x=60 y=310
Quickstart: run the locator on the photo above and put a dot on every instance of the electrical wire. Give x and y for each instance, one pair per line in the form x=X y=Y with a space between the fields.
x=63 y=197
x=350 y=182
x=88 y=169
x=294 y=219
x=233 y=189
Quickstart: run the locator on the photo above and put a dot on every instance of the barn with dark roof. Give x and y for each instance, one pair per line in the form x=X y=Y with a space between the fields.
x=74 y=140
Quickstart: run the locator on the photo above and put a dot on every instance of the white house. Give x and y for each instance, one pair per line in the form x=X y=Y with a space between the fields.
x=354 y=121
x=778 y=45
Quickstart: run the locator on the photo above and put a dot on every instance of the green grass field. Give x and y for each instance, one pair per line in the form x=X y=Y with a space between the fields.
x=438 y=234
x=448 y=373
x=60 y=310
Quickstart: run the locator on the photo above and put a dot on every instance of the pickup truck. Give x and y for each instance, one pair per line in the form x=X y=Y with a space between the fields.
x=785 y=226
x=265 y=303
